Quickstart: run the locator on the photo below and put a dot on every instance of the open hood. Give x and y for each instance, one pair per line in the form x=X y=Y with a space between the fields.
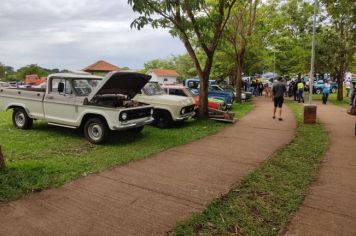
x=125 y=83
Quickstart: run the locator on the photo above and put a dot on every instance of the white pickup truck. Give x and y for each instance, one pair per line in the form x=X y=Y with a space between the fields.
x=81 y=100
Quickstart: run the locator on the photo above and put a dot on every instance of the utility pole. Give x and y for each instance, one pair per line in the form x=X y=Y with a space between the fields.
x=312 y=63
x=310 y=109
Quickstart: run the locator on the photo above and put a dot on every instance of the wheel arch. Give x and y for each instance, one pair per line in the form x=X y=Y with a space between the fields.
x=88 y=116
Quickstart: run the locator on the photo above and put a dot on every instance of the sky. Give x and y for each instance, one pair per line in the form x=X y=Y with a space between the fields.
x=72 y=34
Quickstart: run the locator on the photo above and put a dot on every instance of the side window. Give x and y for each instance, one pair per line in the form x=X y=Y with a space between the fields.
x=172 y=91
x=180 y=92
x=67 y=86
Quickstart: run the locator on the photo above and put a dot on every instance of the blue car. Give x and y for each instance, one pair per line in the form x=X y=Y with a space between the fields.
x=226 y=96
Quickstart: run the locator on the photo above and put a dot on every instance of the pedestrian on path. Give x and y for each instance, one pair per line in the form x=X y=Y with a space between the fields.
x=300 y=86
x=326 y=91
x=348 y=88
x=278 y=91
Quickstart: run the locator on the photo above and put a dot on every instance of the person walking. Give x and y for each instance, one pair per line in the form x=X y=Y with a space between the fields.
x=260 y=88
x=326 y=91
x=278 y=90
x=348 y=88
x=300 y=87
x=295 y=91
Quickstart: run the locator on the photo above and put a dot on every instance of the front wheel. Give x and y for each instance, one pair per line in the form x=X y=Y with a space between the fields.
x=20 y=119
x=333 y=90
x=96 y=130
x=318 y=91
x=162 y=119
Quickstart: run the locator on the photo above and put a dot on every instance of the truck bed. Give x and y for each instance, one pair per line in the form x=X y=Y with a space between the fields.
x=24 y=97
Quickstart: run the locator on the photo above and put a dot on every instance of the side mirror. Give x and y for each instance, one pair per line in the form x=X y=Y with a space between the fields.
x=60 y=87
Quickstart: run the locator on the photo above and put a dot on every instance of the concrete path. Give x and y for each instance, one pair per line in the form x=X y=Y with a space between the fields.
x=330 y=206
x=149 y=197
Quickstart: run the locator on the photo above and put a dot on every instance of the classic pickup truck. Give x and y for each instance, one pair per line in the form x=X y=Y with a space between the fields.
x=81 y=100
x=167 y=108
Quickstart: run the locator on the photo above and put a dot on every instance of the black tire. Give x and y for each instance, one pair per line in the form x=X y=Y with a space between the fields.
x=162 y=119
x=137 y=129
x=318 y=91
x=96 y=130
x=333 y=90
x=20 y=119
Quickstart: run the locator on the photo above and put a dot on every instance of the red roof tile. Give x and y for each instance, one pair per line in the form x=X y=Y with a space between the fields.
x=101 y=66
x=165 y=72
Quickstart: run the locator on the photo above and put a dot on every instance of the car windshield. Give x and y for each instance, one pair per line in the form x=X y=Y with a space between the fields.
x=193 y=91
x=151 y=89
x=84 y=87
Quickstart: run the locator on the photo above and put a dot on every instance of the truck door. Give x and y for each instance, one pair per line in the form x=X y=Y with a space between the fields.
x=59 y=106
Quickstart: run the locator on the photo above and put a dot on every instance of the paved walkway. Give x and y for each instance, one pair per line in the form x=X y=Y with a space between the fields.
x=149 y=197
x=330 y=206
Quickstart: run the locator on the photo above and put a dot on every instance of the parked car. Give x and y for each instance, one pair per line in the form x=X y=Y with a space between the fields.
x=4 y=84
x=72 y=100
x=167 y=108
x=180 y=90
x=228 y=88
x=227 y=97
x=318 y=87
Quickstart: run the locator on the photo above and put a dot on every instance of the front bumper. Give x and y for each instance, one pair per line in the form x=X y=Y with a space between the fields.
x=185 y=116
x=124 y=125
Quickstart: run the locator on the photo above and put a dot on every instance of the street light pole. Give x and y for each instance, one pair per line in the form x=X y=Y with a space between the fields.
x=312 y=63
x=274 y=64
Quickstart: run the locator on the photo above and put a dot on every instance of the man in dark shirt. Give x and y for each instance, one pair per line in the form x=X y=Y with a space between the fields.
x=278 y=90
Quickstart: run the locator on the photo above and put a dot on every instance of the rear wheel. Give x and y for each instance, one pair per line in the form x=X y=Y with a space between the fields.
x=20 y=119
x=163 y=119
x=96 y=130
x=333 y=90
x=318 y=91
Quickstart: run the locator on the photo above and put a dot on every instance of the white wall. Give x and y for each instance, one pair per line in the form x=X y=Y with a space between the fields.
x=155 y=78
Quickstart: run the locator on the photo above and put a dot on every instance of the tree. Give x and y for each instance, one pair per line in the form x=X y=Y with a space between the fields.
x=167 y=63
x=199 y=25
x=343 y=22
x=31 y=69
x=240 y=28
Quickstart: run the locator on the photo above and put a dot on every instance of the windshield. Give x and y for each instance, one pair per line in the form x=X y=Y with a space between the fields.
x=193 y=91
x=151 y=89
x=83 y=87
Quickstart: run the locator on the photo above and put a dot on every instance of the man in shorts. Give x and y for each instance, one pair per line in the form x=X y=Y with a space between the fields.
x=278 y=90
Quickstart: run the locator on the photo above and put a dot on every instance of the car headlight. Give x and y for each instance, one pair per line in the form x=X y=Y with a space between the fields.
x=152 y=111
x=182 y=111
x=124 y=116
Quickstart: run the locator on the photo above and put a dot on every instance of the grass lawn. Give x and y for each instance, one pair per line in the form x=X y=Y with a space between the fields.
x=332 y=99
x=263 y=202
x=48 y=156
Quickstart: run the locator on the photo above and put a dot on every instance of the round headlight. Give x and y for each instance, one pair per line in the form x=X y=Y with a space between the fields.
x=124 y=116
x=151 y=111
x=183 y=111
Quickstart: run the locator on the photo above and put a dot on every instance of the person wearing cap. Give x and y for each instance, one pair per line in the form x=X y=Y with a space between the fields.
x=326 y=91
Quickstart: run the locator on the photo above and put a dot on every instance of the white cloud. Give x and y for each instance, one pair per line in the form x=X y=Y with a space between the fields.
x=72 y=34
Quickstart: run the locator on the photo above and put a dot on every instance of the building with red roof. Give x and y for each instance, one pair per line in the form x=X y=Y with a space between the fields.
x=163 y=76
x=101 y=67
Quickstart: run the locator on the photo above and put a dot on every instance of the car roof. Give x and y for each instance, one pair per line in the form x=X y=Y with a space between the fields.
x=83 y=75
x=173 y=86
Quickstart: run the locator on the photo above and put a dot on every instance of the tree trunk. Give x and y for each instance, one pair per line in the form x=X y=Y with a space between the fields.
x=203 y=96
x=2 y=160
x=238 y=82
x=340 y=90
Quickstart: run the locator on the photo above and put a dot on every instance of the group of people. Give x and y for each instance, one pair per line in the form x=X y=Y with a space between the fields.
x=256 y=87
x=280 y=89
